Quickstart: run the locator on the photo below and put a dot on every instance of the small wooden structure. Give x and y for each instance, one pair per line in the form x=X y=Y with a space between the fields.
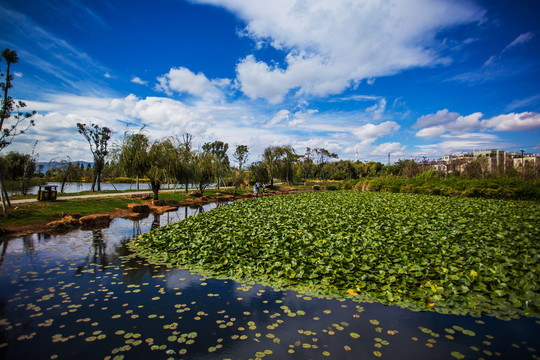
x=47 y=192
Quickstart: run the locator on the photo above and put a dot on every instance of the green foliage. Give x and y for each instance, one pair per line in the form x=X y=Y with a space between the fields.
x=451 y=255
x=431 y=184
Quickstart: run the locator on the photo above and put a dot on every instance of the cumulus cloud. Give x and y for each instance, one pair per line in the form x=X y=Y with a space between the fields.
x=453 y=124
x=439 y=118
x=373 y=131
x=138 y=80
x=183 y=80
x=331 y=45
x=513 y=122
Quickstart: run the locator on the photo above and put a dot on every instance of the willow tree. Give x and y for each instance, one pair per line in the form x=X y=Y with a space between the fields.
x=161 y=158
x=97 y=138
x=133 y=157
x=220 y=159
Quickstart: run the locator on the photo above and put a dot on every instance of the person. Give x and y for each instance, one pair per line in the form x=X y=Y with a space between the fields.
x=264 y=187
x=255 y=189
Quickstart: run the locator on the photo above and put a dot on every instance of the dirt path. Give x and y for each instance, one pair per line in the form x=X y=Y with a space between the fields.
x=105 y=195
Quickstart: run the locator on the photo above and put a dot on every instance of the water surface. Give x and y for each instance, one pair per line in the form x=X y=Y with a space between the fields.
x=83 y=295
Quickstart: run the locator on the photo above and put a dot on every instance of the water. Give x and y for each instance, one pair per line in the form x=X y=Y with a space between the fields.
x=74 y=187
x=82 y=295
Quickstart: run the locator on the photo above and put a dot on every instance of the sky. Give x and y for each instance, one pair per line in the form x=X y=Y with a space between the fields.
x=361 y=78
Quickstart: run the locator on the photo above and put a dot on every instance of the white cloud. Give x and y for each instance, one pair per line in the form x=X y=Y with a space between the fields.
x=513 y=122
x=138 y=80
x=521 y=39
x=452 y=124
x=331 y=45
x=390 y=147
x=372 y=131
x=439 y=118
x=182 y=80
x=279 y=117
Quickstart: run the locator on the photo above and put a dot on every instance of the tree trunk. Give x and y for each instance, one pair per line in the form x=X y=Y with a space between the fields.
x=137 y=182
x=155 y=188
x=3 y=198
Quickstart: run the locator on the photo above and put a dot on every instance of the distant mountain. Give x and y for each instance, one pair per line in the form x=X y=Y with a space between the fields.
x=48 y=165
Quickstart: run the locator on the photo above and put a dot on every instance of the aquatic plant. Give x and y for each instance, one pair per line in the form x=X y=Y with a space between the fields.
x=450 y=255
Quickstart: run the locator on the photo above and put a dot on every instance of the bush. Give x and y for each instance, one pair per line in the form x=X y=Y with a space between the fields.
x=316 y=187
x=331 y=187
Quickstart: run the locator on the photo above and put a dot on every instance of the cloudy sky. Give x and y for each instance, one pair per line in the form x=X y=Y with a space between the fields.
x=362 y=78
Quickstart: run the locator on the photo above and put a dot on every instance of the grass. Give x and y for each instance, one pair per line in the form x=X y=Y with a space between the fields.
x=42 y=212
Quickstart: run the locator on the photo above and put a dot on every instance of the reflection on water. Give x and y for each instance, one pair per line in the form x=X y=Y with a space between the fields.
x=83 y=295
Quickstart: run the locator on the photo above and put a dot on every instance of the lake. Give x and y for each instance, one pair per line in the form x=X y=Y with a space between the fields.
x=83 y=295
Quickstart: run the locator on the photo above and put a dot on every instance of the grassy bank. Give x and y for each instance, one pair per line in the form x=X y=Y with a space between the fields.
x=42 y=212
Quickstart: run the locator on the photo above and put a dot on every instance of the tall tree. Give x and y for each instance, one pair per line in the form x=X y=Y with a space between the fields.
x=271 y=156
x=287 y=163
x=10 y=112
x=220 y=159
x=7 y=113
x=133 y=158
x=241 y=155
x=322 y=156
x=185 y=163
x=203 y=173
x=98 y=138
x=162 y=157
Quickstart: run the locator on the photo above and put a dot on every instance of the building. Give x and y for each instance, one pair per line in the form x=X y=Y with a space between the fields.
x=496 y=159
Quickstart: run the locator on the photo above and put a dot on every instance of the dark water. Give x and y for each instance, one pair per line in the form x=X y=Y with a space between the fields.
x=82 y=296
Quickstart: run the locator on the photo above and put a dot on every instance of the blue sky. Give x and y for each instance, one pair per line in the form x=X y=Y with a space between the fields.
x=363 y=79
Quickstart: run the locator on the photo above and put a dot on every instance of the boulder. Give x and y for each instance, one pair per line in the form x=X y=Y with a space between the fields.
x=65 y=223
x=142 y=196
x=164 y=209
x=139 y=208
x=95 y=220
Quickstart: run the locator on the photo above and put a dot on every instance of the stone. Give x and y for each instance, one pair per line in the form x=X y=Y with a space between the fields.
x=95 y=220
x=139 y=208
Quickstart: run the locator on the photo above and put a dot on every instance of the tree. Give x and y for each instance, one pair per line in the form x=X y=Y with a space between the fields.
x=183 y=169
x=322 y=156
x=241 y=155
x=97 y=138
x=162 y=157
x=133 y=157
x=10 y=111
x=203 y=169
x=7 y=133
x=220 y=159
x=64 y=170
x=271 y=157
x=259 y=171
x=287 y=163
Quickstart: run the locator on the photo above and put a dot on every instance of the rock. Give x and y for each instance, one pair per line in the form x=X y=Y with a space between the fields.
x=95 y=220
x=65 y=223
x=141 y=196
x=139 y=208
x=158 y=202
x=164 y=209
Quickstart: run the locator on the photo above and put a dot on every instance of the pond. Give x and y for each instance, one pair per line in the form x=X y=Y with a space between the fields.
x=83 y=295
x=74 y=187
